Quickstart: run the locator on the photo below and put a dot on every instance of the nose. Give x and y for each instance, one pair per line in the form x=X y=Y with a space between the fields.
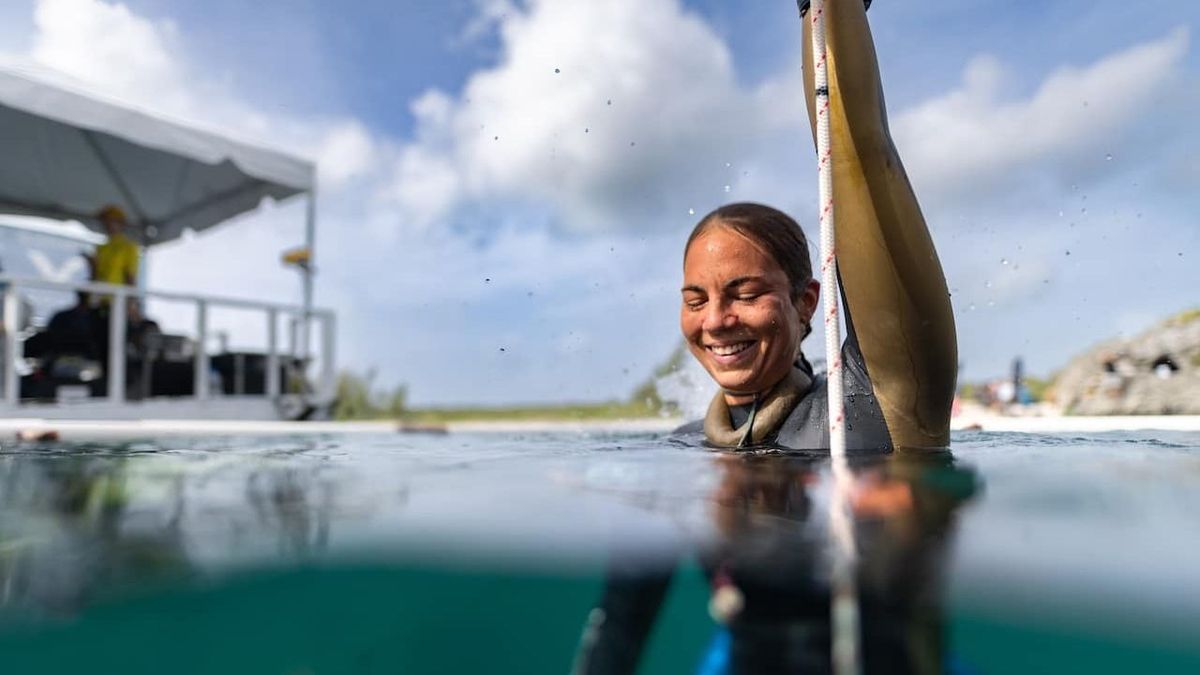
x=718 y=316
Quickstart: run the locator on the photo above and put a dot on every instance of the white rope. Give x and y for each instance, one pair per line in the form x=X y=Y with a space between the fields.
x=844 y=609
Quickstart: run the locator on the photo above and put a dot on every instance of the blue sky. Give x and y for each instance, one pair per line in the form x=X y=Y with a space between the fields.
x=493 y=231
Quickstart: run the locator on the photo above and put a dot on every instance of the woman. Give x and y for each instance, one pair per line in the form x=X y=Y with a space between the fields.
x=749 y=295
x=748 y=302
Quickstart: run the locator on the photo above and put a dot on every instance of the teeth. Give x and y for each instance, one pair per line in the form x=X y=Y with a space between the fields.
x=728 y=350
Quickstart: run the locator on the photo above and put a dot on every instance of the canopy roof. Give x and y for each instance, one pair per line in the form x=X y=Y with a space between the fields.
x=67 y=153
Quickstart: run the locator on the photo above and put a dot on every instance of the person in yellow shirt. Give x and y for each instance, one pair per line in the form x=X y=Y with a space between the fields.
x=116 y=260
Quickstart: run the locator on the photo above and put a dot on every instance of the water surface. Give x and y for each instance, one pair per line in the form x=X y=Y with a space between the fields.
x=487 y=552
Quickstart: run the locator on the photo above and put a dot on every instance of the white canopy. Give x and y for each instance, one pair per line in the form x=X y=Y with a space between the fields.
x=67 y=153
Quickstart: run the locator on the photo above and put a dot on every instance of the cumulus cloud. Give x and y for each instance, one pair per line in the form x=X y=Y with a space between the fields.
x=963 y=142
x=589 y=110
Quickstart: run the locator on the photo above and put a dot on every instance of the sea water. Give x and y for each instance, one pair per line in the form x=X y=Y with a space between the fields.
x=485 y=552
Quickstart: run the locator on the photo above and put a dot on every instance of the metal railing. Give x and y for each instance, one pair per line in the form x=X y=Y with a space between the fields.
x=119 y=298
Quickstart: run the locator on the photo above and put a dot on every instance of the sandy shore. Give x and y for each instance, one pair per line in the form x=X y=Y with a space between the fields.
x=34 y=428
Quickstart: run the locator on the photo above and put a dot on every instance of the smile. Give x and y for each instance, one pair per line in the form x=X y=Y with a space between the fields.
x=730 y=349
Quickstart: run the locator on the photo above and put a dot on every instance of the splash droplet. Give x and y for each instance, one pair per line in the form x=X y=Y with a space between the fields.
x=1108 y=157
x=556 y=71
x=1004 y=261
x=728 y=188
x=987 y=284
x=691 y=212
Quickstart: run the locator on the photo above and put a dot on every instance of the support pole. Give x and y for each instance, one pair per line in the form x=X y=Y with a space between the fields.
x=118 y=317
x=272 y=383
x=309 y=269
x=201 y=363
x=328 y=349
x=12 y=346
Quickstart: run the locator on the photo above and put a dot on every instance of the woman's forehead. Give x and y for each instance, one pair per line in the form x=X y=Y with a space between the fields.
x=726 y=252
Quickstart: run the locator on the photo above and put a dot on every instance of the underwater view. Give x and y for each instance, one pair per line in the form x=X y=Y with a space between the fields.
x=540 y=552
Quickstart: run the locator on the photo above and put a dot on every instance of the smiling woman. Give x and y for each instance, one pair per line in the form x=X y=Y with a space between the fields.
x=749 y=295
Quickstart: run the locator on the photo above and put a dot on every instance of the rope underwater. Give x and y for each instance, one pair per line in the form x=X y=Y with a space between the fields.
x=844 y=610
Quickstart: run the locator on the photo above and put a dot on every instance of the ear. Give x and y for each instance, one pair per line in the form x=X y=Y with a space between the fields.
x=806 y=302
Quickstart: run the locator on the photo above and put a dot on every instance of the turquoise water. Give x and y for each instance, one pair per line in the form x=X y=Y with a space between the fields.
x=486 y=552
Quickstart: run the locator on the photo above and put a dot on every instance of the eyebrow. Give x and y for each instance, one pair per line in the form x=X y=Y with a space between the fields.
x=733 y=283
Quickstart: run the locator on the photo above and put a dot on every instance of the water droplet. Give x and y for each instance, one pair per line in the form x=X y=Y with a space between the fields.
x=632 y=143
x=1060 y=213
x=987 y=284
x=495 y=138
x=502 y=349
x=1108 y=156
x=585 y=130
x=691 y=212
x=991 y=303
x=727 y=165
x=971 y=307
x=487 y=280
x=1083 y=210
x=609 y=102
x=1074 y=187
x=556 y=71
x=1004 y=261
x=727 y=188
x=1068 y=253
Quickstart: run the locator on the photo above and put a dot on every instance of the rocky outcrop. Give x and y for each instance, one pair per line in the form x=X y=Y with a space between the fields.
x=1155 y=373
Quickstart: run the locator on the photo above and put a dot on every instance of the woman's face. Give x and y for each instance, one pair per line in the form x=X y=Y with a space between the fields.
x=738 y=316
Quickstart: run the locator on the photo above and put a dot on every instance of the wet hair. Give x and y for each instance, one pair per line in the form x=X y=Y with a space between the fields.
x=772 y=230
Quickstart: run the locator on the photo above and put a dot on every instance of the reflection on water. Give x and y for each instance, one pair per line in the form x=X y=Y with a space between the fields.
x=496 y=553
x=769 y=569
x=80 y=520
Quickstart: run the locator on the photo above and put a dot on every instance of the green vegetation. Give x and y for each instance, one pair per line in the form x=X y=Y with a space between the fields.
x=1186 y=316
x=357 y=399
x=608 y=410
x=647 y=393
x=1038 y=387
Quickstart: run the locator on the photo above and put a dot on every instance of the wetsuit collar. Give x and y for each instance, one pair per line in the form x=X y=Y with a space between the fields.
x=770 y=412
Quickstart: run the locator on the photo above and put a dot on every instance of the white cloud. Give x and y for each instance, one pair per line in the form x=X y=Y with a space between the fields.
x=590 y=111
x=347 y=152
x=965 y=141
x=110 y=47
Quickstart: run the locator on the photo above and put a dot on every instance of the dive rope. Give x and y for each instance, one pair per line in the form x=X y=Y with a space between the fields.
x=844 y=604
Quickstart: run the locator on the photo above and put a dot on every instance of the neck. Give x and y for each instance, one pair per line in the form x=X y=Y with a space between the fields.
x=739 y=397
